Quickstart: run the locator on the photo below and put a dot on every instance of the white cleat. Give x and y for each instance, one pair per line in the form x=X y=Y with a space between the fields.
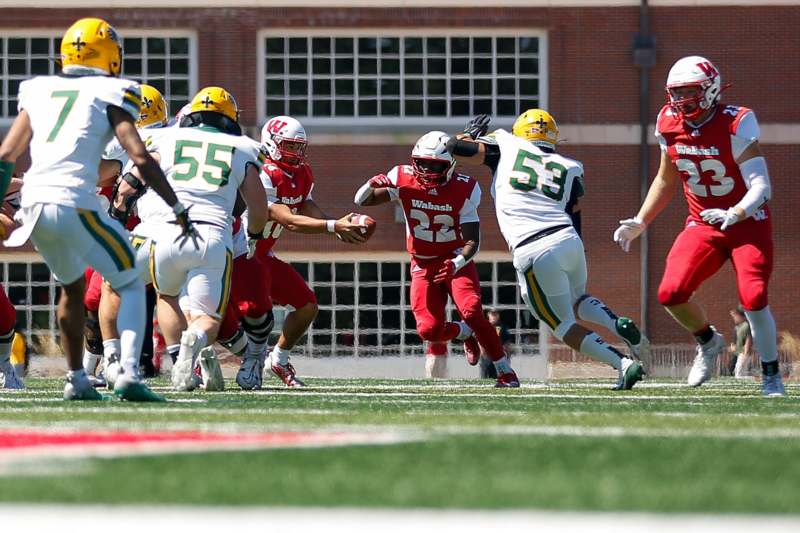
x=112 y=373
x=210 y=370
x=704 y=360
x=183 y=378
x=80 y=390
x=10 y=379
x=772 y=386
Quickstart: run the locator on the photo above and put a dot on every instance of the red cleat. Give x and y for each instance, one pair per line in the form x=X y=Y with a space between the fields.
x=507 y=380
x=286 y=374
x=472 y=350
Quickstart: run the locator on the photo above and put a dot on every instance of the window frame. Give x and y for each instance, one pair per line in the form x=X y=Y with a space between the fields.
x=53 y=33
x=401 y=120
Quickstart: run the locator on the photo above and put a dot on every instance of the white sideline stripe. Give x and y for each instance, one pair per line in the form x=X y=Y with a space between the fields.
x=153 y=518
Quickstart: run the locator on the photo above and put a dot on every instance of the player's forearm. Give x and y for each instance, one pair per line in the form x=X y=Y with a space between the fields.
x=303 y=224
x=367 y=195
x=470 y=249
x=658 y=197
x=311 y=209
x=153 y=176
x=759 y=190
x=464 y=149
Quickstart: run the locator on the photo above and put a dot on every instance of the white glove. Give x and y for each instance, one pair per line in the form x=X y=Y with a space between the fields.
x=270 y=149
x=728 y=217
x=251 y=248
x=628 y=230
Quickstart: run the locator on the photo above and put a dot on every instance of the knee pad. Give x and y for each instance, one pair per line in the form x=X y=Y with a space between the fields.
x=258 y=329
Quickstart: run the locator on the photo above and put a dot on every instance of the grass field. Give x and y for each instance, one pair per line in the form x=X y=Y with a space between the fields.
x=566 y=445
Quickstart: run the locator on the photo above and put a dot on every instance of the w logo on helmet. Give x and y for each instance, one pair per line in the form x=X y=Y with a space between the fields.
x=275 y=126
x=708 y=69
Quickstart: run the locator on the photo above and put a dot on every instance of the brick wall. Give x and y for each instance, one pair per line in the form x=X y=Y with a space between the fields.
x=592 y=80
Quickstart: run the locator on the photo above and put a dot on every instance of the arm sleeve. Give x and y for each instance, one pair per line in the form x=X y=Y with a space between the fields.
x=393 y=176
x=469 y=211
x=759 y=190
x=747 y=132
x=269 y=187
x=662 y=143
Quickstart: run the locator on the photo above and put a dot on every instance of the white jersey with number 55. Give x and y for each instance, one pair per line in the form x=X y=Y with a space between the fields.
x=70 y=131
x=205 y=168
x=531 y=188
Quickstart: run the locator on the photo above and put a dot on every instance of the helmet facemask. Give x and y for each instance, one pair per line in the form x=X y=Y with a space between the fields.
x=432 y=172
x=691 y=106
x=293 y=151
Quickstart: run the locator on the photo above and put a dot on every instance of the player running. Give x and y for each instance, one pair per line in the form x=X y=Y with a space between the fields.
x=260 y=278
x=535 y=191
x=67 y=120
x=209 y=163
x=713 y=149
x=442 y=236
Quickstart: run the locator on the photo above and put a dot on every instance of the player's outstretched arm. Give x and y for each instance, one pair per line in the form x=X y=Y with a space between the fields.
x=348 y=231
x=375 y=191
x=15 y=143
x=658 y=197
x=311 y=209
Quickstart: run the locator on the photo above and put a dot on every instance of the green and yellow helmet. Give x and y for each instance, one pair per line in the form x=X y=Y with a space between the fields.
x=215 y=99
x=91 y=43
x=537 y=126
x=154 y=110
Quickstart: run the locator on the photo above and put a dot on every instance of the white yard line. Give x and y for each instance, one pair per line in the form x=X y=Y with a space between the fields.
x=199 y=519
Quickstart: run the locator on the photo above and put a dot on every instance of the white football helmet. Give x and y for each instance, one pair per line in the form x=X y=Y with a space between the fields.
x=693 y=71
x=284 y=140
x=433 y=165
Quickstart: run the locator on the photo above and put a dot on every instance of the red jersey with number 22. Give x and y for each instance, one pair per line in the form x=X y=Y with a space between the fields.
x=292 y=190
x=434 y=216
x=705 y=158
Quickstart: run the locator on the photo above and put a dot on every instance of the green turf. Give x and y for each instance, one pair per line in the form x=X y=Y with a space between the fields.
x=569 y=445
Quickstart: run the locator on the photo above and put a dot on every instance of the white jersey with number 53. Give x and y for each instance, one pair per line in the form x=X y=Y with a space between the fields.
x=531 y=188
x=70 y=125
x=205 y=168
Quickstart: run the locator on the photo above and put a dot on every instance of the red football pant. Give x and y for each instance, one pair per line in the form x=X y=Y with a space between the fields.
x=8 y=315
x=428 y=301
x=700 y=250
x=94 y=285
x=253 y=290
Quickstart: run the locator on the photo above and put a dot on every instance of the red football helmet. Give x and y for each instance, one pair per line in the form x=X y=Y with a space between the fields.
x=432 y=163
x=285 y=141
x=693 y=87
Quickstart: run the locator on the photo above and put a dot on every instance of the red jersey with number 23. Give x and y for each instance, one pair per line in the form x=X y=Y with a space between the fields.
x=282 y=187
x=706 y=158
x=434 y=216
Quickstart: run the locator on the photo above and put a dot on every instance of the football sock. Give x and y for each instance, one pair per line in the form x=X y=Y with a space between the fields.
x=111 y=350
x=131 y=325
x=281 y=355
x=236 y=344
x=704 y=335
x=173 y=351
x=503 y=365
x=258 y=329
x=599 y=349
x=770 y=368
x=464 y=331
x=77 y=376
x=593 y=310
x=90 y=361
x=762 y=325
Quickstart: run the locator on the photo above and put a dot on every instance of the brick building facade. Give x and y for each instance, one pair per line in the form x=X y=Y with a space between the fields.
x=591 y=82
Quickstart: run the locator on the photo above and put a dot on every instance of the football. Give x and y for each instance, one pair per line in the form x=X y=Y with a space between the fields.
x=367 y=224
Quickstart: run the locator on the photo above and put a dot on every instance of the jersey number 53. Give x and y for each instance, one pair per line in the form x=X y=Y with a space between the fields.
x=531 y=172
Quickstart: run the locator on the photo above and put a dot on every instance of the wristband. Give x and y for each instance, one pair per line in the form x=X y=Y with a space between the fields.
x=459 y=261
x=330 y=225
x=6 y=173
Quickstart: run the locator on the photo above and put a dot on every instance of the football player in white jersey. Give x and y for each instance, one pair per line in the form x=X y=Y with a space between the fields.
x=535 y=191
x=67 y=120
x=209 y=163
x=128 y=189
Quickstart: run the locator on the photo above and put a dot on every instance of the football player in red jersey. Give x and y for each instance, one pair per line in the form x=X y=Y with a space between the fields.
x=259 y=277
x=443 y=236
x=713 y=149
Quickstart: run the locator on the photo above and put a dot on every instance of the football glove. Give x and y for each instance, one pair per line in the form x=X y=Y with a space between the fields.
x=728 y=217
x=445 y=272
x=188 y=230
x=478 y=126
x=381 y=181
x=628 y=230
x=252 y=241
